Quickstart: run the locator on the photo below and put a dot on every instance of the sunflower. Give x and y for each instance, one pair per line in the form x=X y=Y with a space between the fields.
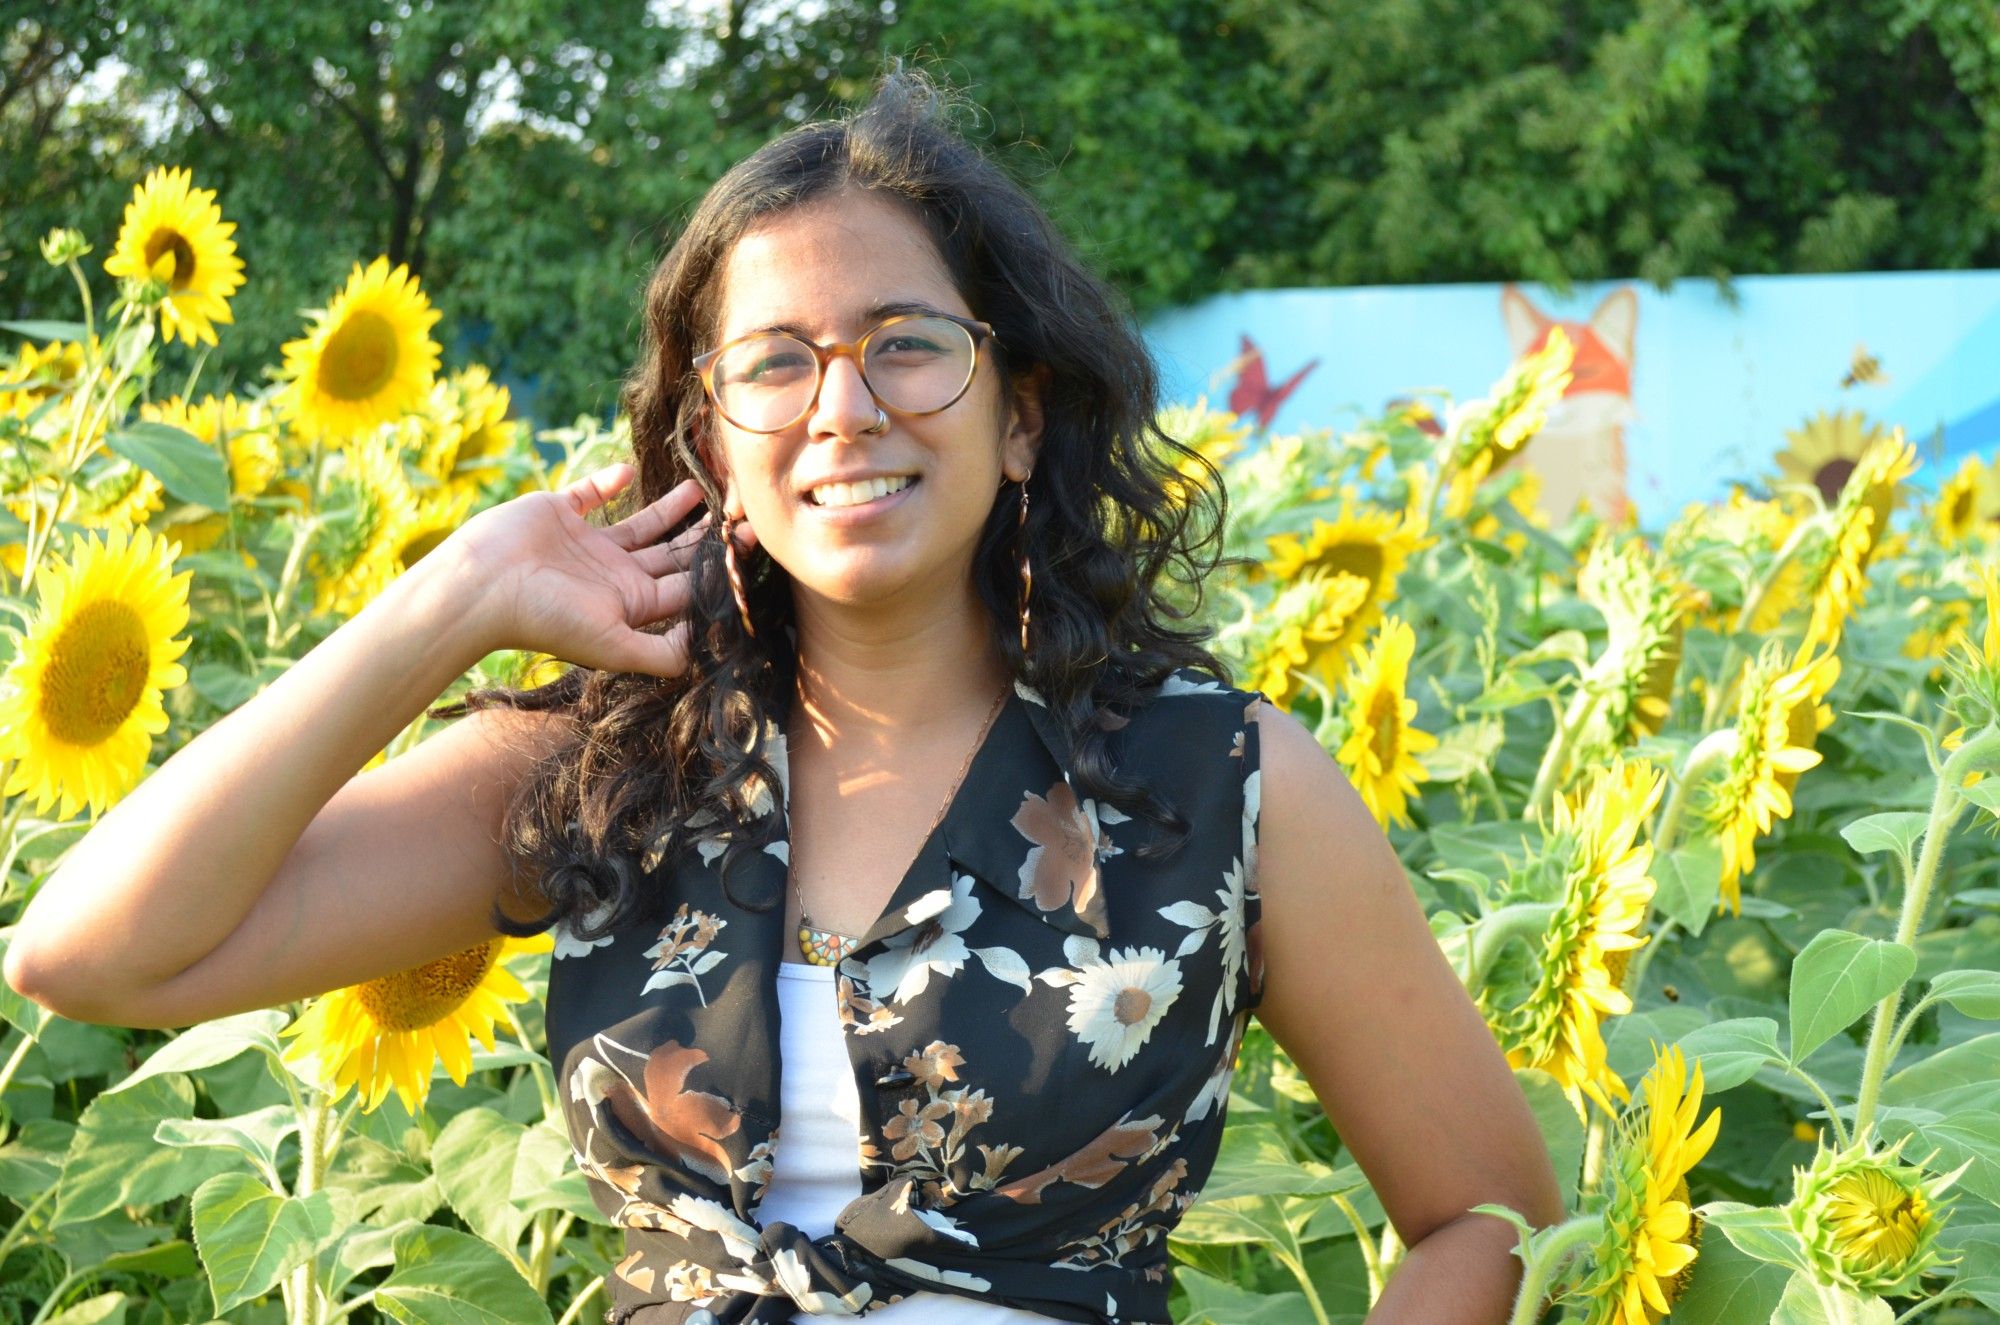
x=1868 y=1223
x=365 y=360
x=1651 y=1234
x=1779 y=718
x=1364 y=542
x=1494 y=430
x=1837 y=575
x=1308 y=621
x=80 y=703
x=1645 y=609
x=1594 y=843
x=1827 y=449
x=392 y=1031
x=39 y=375
x=1956 y=516
x=1381 y=745
x=431 y=521
x=1213 y=435
x=354 y=557
x=175 y=233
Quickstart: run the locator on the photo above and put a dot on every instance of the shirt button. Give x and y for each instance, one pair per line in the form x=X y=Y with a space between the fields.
x=896 y=1076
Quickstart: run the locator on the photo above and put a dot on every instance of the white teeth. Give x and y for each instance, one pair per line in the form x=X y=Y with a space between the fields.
x=853 y=494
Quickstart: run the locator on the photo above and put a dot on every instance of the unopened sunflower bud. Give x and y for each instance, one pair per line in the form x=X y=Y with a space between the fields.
x=63 y=245
x=1868 y=1223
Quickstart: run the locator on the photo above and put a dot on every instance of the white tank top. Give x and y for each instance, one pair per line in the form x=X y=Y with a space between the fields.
x=815 y=1165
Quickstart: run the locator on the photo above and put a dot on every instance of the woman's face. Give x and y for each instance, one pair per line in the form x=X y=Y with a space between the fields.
x=818 y=270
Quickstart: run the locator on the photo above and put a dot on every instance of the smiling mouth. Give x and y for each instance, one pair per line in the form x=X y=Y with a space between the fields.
x=846 y=496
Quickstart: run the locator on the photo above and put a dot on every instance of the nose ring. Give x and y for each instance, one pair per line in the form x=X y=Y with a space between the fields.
x=881 y=424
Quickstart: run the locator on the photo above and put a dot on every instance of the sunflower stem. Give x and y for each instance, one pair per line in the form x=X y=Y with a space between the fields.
x=1548 y=778
x=1789 y=549
x=1545 y=1255
x=1521 y=920
x=575 y=1308
x=20 y=1229
x=305 y=1301
x=1945 y=806
x=1370 y=1258
x=89 y=315
x=545 y=1080
x=1714 y=748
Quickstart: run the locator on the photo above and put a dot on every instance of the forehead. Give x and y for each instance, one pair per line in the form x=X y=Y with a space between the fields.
x=820 y=268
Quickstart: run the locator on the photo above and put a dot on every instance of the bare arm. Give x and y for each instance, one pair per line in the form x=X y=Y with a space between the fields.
x=174 y=868
x=229 y=881
x=1359 y=994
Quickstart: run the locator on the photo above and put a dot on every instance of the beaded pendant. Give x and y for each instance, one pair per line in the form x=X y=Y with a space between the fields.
x=823 y=947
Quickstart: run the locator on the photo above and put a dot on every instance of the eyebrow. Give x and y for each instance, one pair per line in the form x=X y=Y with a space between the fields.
x=872 y=314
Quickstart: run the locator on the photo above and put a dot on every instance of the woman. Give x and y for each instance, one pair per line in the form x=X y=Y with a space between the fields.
x=919 y=827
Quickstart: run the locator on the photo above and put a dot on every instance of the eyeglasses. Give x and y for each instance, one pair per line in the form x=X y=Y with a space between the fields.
x=915 y=363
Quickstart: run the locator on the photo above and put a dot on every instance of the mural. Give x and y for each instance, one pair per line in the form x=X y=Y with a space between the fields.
x=1674 y=395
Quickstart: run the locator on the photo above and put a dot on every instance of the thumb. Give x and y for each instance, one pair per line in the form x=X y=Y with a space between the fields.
x=593 y=490
x=665 y=655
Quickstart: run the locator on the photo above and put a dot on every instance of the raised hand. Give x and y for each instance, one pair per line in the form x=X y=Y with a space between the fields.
x=554 y=583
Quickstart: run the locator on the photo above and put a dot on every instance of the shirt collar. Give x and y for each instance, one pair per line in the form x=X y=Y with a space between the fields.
x=1016 y=824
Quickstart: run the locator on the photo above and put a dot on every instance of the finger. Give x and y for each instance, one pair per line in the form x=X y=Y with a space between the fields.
x=650 y=522
x=593 y=490
x=665 y=655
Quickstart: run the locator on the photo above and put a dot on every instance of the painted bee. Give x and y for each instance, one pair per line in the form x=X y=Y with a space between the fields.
x=1865 y=370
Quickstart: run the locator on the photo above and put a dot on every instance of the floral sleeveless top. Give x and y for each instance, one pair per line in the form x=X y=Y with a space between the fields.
x=1042 y=1026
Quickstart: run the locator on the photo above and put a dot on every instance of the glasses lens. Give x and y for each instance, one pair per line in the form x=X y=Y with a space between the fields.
x=764 y=383
x=915 y=365
x=919 y=364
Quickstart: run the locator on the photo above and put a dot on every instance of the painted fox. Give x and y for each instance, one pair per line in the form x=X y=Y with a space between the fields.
x=1580 y=452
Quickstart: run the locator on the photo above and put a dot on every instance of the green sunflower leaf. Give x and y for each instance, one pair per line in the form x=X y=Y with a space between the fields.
x=1975 y=993
x=189 y=468
x=445 y=1277
x=1893 y=830
x=249 y=1236
x=1808 y=1303
x=1838 y=977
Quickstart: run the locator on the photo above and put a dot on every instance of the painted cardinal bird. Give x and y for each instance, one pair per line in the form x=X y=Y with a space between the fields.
x=1253 y=392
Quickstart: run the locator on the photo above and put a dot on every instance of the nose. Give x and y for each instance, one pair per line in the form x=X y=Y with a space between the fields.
x=845 y=405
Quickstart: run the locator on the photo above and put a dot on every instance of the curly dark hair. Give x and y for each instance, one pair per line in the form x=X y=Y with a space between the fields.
x=1120 y=540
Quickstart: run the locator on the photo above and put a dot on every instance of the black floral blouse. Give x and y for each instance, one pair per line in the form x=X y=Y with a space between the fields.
x=1042 y=1026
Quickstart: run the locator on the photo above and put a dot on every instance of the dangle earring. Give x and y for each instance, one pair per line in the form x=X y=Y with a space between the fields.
x=735 y=576
x=1027 y=575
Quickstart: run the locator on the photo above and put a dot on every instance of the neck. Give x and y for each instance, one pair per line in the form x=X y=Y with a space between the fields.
x=878 y=685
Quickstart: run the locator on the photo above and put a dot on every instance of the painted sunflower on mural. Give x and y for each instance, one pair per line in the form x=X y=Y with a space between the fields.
x=1825 y=450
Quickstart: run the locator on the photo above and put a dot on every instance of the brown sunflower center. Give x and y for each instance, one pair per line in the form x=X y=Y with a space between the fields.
x=172 y=241
x=1131 y=1005
x=420 y=547
x=1615 y=962
x=97 y=670
x=1958 y=514
x=360 y=357
x=425 y=995
x=1831 y=477
x=1359 y=559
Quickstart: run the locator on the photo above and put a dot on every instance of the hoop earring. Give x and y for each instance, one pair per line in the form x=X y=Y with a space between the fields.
x=1027 y=574
x=735 y=576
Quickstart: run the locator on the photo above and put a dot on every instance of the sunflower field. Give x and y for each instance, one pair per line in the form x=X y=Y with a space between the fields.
x=1703 y=818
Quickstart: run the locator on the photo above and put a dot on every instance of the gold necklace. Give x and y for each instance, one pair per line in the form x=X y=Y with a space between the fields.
x=826 y=947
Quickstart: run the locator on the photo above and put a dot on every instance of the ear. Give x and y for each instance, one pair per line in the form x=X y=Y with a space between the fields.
x=1022 y=443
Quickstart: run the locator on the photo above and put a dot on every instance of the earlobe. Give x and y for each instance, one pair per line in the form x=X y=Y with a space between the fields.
x=1024 y=440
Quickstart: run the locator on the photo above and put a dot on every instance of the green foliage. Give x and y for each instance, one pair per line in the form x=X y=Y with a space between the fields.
x=531 y=160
